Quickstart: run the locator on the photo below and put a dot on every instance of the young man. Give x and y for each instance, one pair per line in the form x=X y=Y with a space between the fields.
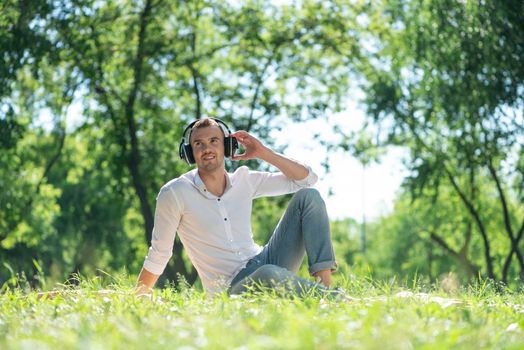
x=211 y=210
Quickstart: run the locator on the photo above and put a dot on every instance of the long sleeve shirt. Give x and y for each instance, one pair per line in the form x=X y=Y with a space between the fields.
x=215 y=231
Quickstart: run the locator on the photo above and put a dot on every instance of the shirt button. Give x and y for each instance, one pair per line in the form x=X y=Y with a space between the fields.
x=218 y=199
x=225 y=219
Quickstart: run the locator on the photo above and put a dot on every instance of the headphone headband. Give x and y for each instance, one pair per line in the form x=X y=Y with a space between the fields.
x=220 y=123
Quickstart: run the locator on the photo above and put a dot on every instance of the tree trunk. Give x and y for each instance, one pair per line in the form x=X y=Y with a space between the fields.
x=474 y=213
x=134 y=153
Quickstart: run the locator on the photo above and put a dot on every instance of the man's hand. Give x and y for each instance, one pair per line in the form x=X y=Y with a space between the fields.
x=253 y=148
x=143 y=291
x=145 y=283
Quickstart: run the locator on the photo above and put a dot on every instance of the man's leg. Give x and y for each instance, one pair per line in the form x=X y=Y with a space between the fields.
x=303 y=229
x=278 y=279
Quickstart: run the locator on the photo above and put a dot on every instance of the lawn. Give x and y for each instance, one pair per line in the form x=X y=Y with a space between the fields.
x=97 y=314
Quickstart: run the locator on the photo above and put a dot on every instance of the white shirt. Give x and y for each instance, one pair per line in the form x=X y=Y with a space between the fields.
x=215 y=231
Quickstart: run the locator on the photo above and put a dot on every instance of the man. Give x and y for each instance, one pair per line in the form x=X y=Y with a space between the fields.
x=211 y=209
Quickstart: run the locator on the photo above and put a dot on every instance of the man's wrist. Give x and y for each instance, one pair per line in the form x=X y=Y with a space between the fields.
x=266 y=154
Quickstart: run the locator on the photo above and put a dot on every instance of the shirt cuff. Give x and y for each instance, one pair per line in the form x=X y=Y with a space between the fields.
x=309 y=180
x=154 y=268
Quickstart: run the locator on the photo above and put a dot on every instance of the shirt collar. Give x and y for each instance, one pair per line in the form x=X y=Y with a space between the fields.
x=201 y=186
x=197 y=181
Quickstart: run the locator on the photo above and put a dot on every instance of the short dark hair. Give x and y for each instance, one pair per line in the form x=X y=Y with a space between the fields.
x=204 y=123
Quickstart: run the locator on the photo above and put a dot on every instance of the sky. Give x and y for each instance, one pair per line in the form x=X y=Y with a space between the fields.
x=355 y=192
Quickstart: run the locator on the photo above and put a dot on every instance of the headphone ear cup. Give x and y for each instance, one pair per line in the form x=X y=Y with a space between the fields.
x=227 y=146
x=186 y=153
x=234 y=145
x=189 y=154
x=230 y=146
x=181 y=153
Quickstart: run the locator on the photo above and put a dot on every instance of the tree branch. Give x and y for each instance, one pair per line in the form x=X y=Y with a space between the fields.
x=480 y=225
x=473 y=195
x=440 y=242
x=260 y=80
x=507 y=223
x=134 y=156
x=462 y=259
x=521 y=231
x=102 y=92
x=188 y=61
x=464 y=199
x=514 y=249
x=195 y=74
x=502 y=197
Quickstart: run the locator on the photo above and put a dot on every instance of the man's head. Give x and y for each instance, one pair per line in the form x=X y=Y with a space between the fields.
x=207 y=144
x=230 y=144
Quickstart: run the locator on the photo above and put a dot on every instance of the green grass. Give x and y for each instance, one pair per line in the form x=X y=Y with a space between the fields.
x=83 y=318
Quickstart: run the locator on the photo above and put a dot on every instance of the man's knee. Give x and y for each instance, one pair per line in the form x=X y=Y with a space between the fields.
x=268 y=272
x=309 y=195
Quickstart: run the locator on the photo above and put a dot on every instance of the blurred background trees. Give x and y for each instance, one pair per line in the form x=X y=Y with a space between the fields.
x=94 y=96
x=447 y=79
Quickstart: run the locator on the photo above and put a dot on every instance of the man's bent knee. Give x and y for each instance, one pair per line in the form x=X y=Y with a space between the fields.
x=268 y=272
x=309 y=195
x=308 y=191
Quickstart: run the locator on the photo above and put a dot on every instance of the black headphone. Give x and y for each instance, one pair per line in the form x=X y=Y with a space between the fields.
x=186 y=152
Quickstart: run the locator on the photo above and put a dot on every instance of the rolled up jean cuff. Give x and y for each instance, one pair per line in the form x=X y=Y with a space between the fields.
x=323 y=265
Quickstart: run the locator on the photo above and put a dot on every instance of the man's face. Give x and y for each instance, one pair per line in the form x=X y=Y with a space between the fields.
x=208 y=147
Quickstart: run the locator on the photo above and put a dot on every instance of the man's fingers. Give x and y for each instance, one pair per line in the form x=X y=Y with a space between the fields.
x=240 y=132
x=242 y=156
x=241 y=139
x=241 y=136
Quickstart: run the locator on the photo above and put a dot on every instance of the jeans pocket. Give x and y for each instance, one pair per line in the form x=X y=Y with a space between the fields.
x=252 y=261
x=251 y=265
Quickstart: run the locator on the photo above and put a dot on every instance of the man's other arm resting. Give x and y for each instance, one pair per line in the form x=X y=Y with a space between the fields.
x=167 y=218
x=145 y=283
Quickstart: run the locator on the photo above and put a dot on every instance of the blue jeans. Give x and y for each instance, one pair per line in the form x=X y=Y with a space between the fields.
x=304 y=228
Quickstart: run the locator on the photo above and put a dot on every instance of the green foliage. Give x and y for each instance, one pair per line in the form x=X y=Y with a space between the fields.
x=97 y=94
x=445 y=79
x=433 y=236
x=346 y=237
x=21 y=38
x=267 y=212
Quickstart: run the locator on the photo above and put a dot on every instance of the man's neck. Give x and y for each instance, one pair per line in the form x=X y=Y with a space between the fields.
x=215 y=181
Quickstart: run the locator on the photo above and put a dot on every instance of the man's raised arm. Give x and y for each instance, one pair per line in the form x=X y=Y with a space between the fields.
x=253 y=148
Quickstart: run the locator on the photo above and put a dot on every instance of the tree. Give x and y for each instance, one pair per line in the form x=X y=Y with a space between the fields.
x=432 y=235
x=446 y=78
x=140 y=71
